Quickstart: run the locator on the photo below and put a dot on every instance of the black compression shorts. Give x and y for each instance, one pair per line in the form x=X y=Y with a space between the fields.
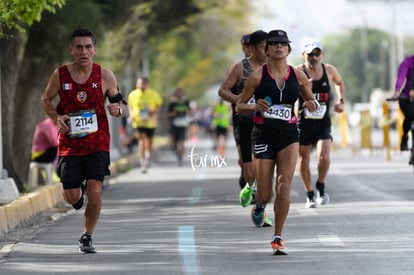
x=311 y=134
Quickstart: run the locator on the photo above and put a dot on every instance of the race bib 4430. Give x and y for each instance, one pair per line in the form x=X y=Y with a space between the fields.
x=282 y=112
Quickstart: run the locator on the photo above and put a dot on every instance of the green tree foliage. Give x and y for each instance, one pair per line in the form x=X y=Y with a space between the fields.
x=363 y=58
x=193 y=52
x=130 y=33
x=43 y=47
x=197 y=55
x=15 y=17
x=189 y=46
x=16 y=14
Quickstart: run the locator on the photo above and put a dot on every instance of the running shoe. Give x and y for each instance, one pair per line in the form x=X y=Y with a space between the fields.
x=321 y=200
x=78 y=205
x=278 y=247
x=85 y=244
x=145 y=164
x=258 y=215
x=321 y=196
x=268 y=222
x=310 y=203
x=404 y=143
x=246 y=195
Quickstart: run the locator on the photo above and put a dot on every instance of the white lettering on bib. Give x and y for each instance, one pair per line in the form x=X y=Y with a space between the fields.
x=282 y=112
x=318 y=114
x=83 y=123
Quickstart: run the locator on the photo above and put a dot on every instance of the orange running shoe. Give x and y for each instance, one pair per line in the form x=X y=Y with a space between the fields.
x=278 y=246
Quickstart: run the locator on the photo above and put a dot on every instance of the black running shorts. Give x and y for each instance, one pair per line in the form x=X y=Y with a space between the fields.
x=73 y=170
x=311 y=134
x=245 y=130
x=266 y=143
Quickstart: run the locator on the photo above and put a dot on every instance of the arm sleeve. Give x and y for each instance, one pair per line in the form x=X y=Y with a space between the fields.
x=401 y=75
x=412 y=80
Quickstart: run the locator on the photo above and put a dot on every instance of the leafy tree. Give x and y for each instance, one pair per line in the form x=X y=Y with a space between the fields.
x=15 y=17
x=128 y=34
x=192 y=56
x=17 y=14
x=42 y=47
x=192 y=53
x=363 y=67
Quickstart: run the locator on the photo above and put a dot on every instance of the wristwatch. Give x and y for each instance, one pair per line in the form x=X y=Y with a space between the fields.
x=342 y=100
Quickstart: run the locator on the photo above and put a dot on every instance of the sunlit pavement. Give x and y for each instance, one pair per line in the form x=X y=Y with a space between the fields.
x=187 y=220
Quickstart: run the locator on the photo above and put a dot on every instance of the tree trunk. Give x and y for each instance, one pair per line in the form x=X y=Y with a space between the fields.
x=37 y=64
x=9 y=51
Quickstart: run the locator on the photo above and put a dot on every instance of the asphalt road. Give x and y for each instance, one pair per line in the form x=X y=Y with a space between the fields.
x=187 y=220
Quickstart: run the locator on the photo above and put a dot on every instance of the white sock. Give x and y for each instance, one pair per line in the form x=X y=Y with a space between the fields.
x=253 y=186
x=276 y=236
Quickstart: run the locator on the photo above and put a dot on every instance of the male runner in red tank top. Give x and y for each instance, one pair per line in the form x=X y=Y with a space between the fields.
x=80 y=115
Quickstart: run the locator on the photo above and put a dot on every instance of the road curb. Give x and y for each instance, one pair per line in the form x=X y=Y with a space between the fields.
x=41 y=199
x=48 y=196
x=29 y=205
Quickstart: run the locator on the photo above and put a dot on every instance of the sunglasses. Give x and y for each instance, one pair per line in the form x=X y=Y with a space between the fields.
x=314 y=54
x=278 y=43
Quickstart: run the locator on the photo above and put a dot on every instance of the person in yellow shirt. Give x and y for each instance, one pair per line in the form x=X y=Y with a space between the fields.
x=144 y=106
x=221 y=124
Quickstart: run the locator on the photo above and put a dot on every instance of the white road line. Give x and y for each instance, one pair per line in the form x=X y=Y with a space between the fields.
x=330 y=239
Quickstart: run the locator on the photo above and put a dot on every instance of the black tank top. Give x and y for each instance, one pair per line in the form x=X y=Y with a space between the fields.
x=322 y=93
x=238 y=88
x=282 y=99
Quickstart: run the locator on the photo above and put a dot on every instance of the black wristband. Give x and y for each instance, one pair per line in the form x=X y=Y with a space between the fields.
x=117 y=98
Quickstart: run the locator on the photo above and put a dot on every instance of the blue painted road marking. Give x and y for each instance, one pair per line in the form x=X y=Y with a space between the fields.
x=187 y=250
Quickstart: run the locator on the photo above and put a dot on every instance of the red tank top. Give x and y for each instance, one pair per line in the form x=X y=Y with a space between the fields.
x=75 y=97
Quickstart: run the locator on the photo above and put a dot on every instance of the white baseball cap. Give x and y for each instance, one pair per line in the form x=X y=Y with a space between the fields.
x=309 y=47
